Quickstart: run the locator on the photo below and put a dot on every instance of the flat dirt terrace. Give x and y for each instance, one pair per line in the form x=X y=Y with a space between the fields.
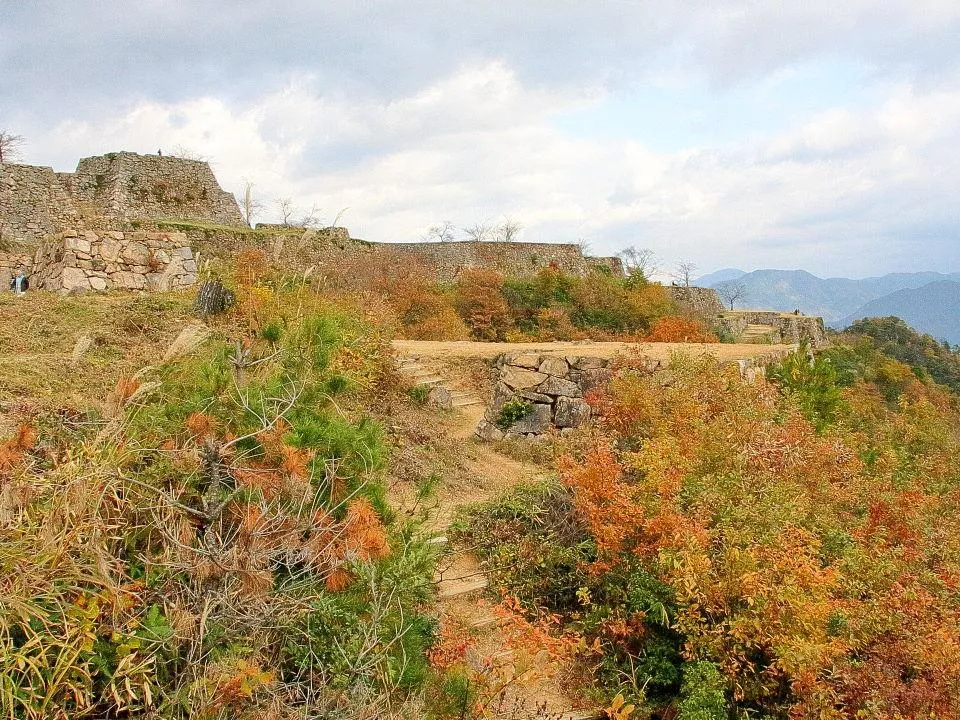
x=658 y=351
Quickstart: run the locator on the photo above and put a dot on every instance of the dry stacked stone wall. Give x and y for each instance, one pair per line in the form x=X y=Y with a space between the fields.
x=552 y=386
x=101 y=260
x=33 y=203
x=450 y=259
x=126 y=185
x=704 y=302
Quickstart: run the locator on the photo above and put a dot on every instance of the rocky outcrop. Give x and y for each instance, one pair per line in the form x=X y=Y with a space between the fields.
x=101 y=260
x=552 y=388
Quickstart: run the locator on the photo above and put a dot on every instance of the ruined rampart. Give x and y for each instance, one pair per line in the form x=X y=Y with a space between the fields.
x=109 y=190
x=102 y=260
x=450 y=259
x=33 y=203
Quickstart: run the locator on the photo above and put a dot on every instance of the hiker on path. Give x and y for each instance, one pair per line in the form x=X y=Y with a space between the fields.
x=19 y=283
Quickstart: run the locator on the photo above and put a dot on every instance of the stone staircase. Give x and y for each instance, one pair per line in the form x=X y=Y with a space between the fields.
x=425 y=371
x=757 y=334
x=461 y=586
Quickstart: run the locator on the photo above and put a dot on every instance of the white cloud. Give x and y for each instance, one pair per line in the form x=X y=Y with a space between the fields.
x=479 y=144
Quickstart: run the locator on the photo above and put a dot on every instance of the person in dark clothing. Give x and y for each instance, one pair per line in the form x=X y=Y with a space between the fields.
x=19 y=283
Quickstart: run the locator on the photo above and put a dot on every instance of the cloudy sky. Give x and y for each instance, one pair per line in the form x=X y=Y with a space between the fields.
x=810 y=134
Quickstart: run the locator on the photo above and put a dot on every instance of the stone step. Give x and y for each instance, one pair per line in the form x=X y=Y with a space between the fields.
x=466 y=403
x=447 y=589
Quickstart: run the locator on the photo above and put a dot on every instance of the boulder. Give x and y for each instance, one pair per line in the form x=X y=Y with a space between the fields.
x=488 y=432
x=594 y=377
x=440 y=397
x=554 y=366
x=136 y=253
x=570 y=412
x=559 y=387
x=538 y=421
x=501 y=394
x=526 y=360
x=74 y=278
x=521 y=379
x=98 y=283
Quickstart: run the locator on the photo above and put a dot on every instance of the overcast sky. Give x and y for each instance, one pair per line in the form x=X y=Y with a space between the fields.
x=772 y=133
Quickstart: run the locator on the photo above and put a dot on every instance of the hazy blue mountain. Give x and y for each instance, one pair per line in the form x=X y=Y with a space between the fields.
x=830 y=298
x=719 y=276
x=933 y=309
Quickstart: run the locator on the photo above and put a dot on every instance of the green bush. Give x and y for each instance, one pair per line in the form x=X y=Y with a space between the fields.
x=513 y=411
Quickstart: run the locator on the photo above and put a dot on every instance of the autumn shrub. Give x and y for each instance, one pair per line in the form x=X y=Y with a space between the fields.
x=790 y=551
x=221 y=545
x=480 y=303
x=729 y=548
x=678 y=329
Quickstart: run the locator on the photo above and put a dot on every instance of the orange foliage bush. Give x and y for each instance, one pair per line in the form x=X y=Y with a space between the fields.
x=481 y=304
x=819 y=571
x=676 y=329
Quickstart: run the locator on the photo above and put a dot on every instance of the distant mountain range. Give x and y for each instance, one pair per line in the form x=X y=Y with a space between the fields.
x=928 y=301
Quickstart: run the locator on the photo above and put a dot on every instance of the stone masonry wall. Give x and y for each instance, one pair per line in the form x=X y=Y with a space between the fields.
x=705 y=302
x=513 y=259
x=554 y=386
x=101 y=260
x=127 y=185
x=33 y=203
x=784 y=327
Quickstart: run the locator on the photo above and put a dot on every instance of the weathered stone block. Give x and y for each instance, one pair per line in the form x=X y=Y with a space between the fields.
x=521 y=379
x=72 y=277
x=136 y=253
x=488 y=432
x=538 y=421
x=98 y=283
x=77 y=244
x=559 y=387
x=525 y=360
x=110 y=248
x=129 y=280
x=535 y=396
x=440 y=397
x=554 y=366
x=570 y=412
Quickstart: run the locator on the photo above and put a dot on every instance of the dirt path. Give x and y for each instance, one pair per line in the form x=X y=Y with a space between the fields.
x=524 y=685
x=657 y=351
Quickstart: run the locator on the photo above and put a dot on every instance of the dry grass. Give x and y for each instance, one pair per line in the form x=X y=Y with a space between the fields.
x=39 y=333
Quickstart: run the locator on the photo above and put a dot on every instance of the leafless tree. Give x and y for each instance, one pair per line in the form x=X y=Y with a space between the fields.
x=684 y=272
x=10 y=145
x=444 y=232
x=311 y=218
x=285 y=206
x=479 y=232
x=185 y=153
x=508 y=231
x=639 y=261
x=732 y=291
x=250 y=205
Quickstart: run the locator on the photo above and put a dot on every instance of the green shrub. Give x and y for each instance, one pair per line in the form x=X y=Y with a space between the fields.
x=513 y=411
x=702 y=696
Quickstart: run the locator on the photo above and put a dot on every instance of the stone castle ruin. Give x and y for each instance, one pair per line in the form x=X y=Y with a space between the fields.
x=125 y=220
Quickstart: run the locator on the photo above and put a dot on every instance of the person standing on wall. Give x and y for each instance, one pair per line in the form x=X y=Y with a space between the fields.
x=19 y=283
